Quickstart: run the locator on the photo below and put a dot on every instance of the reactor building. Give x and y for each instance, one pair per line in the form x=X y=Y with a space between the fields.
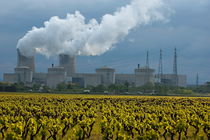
x=66 y=72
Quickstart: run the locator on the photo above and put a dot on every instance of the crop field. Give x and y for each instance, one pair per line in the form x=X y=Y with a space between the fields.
x=97 y=117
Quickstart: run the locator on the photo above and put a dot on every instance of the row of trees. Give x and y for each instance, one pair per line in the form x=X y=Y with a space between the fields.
x=125 y=88
x=21 y=87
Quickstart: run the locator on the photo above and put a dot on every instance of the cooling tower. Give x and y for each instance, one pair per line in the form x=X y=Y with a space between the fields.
x=69 y=63
x=25 y=61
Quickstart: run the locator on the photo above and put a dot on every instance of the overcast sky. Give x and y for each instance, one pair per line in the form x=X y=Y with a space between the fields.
x=188 y=30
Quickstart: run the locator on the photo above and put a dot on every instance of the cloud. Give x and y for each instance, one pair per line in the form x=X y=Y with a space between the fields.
x=72 y=35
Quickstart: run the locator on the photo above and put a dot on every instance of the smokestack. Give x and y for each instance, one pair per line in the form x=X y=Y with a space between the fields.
x=69 y=63
x=25 y=61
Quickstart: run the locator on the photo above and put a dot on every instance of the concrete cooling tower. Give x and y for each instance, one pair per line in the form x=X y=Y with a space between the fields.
x=25 y=61
x=69 y=63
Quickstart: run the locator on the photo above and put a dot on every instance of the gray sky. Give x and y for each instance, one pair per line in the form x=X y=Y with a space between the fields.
x=188 y=30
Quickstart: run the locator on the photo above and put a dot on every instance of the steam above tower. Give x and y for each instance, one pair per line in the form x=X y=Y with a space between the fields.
x=74 y=36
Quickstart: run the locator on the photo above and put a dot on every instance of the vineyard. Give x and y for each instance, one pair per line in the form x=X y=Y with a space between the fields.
x=95 y=117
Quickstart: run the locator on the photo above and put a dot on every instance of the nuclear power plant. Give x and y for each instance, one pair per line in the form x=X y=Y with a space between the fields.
x=66 y=72
x=76 y=35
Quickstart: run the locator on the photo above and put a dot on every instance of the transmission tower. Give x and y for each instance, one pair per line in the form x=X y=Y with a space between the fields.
x=175 y=69
x=147 y=60
x=146 y=78
x=160 y=68
x=197 y=80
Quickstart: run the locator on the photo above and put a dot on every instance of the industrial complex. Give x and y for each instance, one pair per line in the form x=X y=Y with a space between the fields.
x=66 y=72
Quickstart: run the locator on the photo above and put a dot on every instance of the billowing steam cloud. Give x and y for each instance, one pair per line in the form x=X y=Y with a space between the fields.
x=75 y=37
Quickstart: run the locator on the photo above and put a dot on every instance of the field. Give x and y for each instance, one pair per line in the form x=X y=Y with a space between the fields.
x=54 y=116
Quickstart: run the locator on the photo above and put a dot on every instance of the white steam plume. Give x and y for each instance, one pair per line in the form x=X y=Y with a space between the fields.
x=75 y=37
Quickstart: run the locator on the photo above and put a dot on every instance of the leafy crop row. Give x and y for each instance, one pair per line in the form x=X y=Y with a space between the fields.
x=103 y=117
